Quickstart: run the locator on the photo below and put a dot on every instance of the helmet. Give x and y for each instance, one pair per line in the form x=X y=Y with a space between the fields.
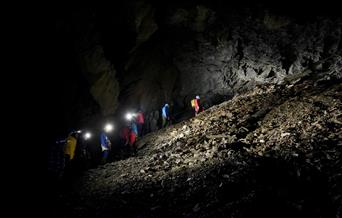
x=197 y=97
x=166 y=105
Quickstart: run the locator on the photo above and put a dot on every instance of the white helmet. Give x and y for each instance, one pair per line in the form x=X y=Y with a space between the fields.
x=197 y=97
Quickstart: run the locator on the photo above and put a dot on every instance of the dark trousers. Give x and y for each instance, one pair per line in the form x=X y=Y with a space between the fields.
x=105 y=154
x=140 y=129
x=166 y=122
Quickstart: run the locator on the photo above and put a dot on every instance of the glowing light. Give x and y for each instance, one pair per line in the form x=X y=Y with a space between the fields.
x=87 y=136
x=129 y=116
x=108 y=127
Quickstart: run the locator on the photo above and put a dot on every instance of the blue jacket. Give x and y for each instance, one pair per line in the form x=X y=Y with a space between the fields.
x=104 y=141
x=165 y=111
x=134 y=128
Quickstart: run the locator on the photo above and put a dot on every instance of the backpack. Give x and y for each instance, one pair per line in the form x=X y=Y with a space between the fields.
x=193 y=104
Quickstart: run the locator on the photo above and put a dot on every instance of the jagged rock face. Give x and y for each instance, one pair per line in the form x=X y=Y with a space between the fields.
x=214 y=56
x=149 y=80
x=100 y=74
x=246 y=50
x=143 y=54
x=144 y=22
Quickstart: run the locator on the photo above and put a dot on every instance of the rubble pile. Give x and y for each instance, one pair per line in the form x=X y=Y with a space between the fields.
x=274 y=151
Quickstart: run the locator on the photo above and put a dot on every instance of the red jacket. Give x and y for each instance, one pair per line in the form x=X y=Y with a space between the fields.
x=197 y=105
x=140 y=118
x=124 y=134
x=132 y=138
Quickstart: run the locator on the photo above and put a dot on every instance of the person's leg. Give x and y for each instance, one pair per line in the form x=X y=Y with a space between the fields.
x=164 y=122
x=104 y=156
x=66 y=170
x=142 y=129
x=139 y=129
x=132 y=139
x=197 y=111
x=130 y=145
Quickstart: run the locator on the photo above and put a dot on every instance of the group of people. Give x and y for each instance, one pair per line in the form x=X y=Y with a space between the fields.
x=133 y=129
x=75 y=145
x=166 y=117
x=74 y=152
x=67 y=156
x=128 y=136
x=196 y=104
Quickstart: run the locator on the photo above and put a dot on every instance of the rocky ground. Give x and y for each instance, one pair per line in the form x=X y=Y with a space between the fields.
x=274 y=151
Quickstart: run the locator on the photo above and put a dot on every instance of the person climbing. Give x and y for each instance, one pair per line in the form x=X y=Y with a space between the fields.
x=124 y=135
x=82 y=155
x=70 y=146
x=166 y=115
x=69 y=154
x=195 y=103
x=134 y=127
x=105 y=146
x=133 y=135
x=140 y=122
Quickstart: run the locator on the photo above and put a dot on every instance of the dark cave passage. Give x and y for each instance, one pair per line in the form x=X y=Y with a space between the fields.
x=263 y=138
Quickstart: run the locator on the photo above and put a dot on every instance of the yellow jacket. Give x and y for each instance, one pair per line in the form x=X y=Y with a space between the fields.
x=70 y=147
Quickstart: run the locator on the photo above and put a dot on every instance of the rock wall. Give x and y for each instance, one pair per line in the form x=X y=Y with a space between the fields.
x=141 y=54
x=214 y=55
x=100 y=74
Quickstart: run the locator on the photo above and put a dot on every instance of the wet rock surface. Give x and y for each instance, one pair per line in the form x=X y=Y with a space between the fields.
x=274 y=151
